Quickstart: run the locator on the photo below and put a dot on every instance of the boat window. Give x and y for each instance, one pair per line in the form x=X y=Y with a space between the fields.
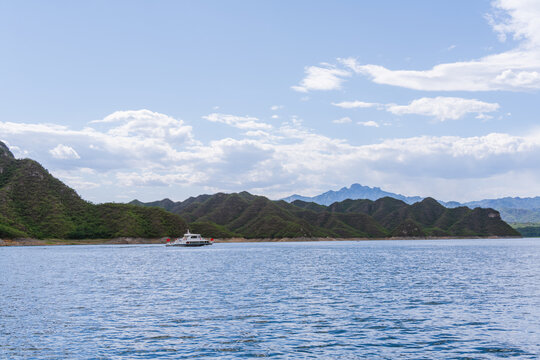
x=194 y=237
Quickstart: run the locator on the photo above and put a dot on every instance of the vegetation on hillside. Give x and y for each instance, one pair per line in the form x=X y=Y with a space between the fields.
x=251 y=216
x=527 y=229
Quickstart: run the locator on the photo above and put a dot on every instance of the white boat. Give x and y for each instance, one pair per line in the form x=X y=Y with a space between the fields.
x=190 y=239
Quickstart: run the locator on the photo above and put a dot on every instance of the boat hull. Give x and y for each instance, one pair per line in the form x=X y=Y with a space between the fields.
x=187 y=245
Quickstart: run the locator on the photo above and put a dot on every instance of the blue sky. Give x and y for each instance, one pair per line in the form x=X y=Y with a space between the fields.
x=140 y=99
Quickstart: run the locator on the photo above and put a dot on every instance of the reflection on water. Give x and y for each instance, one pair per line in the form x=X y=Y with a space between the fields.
x=371 y=299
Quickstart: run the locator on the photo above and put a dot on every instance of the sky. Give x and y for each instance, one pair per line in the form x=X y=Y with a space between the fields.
x=148 y=100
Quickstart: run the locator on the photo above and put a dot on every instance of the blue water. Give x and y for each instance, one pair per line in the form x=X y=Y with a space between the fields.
x=373 y=299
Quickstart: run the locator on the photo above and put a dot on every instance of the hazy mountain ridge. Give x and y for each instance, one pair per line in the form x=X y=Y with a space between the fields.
x=354 y=192
x=512 y=209
x=529 y=203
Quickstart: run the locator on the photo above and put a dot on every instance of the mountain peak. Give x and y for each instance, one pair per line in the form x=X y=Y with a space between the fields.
x=6 y=157
x=355 y=191
x=5 y=153
x=430 y=201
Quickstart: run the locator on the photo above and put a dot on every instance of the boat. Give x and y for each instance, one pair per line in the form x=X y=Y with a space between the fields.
x=190 y=239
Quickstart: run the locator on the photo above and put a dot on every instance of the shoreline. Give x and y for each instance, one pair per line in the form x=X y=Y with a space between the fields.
x=149 y=241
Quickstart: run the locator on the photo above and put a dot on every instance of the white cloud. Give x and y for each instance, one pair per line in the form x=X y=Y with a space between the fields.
x=64 y=152
x=322 y=78
x=368 y=123
x=123 y=142
x=518 y=79
x=274 y=162
x=276 y=107
x=483 y=117
x=354 y=104
x=240 y=122
x=136 y=123
x=518 y=18
x=144 y=179
x=443 y=108
x=75 y=181
x=275 y=116
x=260 y=133
x=343 y=120
x=515 y=70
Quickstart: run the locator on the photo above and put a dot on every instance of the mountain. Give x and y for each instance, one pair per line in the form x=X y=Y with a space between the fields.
x=33 y=203
x=531 y=203
x=246 y=215
x=356 y=191
x=250 y=216
x=512 y=209
x=431 y=218
x=522 y=216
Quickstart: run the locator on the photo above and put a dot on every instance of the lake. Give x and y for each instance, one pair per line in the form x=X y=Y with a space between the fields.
x=417 y=299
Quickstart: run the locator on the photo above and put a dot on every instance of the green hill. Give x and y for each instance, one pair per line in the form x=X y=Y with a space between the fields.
x=35 y=204
x=251 y=216
x=528 y=230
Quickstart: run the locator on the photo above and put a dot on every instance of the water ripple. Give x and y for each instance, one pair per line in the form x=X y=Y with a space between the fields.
x=455 y=299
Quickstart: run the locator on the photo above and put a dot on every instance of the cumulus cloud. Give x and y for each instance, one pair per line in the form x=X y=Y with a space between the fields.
x=240 y=122
x=136 y=123
x=71 y=178
x=322 y=78
x=515 y=70
x=123 y=142
x=443 y=108
x=354 y=104
x=64 y=152
x=518 y=18
x=130 y=179
x=368 y=123
x=343 y=120
x=483 y=117
x=275 y=162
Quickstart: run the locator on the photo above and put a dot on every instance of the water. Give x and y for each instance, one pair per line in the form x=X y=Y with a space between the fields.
x=374 y=299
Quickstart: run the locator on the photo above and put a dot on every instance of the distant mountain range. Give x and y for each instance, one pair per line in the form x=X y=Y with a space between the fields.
x=250 y=216
x=356 y=191
x=35 y=204
x=512 y=209
x=529 y=203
